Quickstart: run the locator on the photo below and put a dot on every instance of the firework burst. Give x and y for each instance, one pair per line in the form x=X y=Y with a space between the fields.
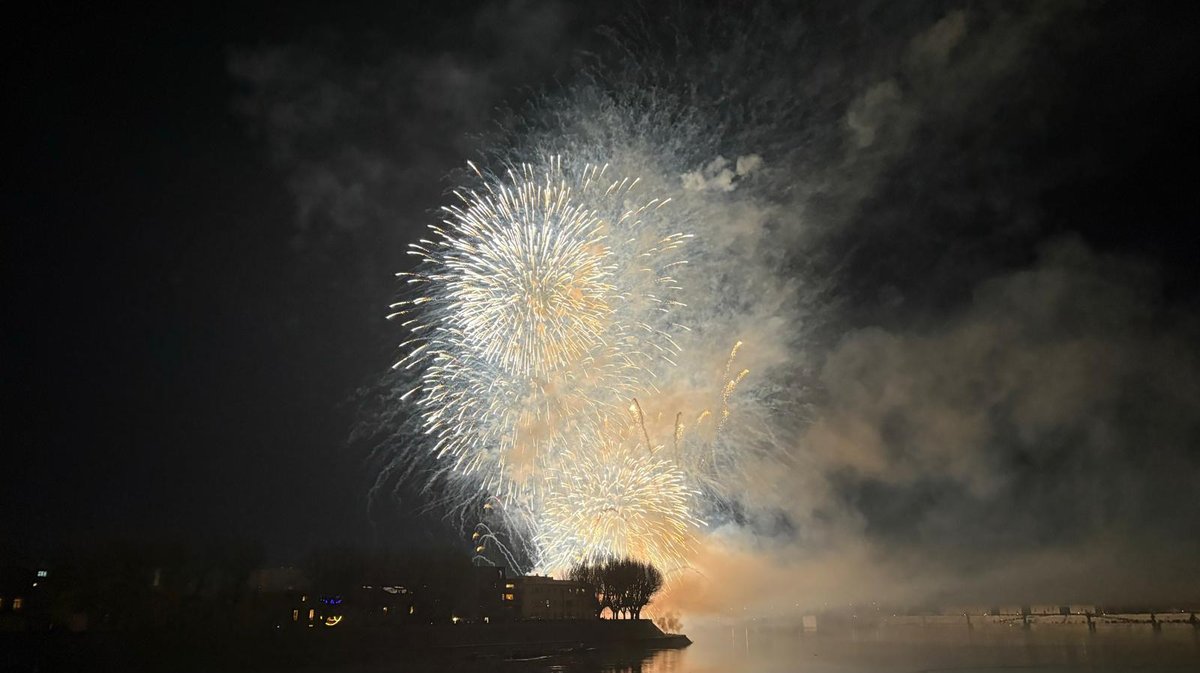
x=542 y=307
x=614 y=498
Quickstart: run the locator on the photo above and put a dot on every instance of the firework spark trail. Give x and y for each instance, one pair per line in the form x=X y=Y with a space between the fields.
x=612 y=499
x=619 y=495
x=541 y=310
x=484 y=534
x=542 y=313
x=708 y=453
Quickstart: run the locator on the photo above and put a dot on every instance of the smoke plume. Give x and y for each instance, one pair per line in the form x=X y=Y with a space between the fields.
x=952 y=396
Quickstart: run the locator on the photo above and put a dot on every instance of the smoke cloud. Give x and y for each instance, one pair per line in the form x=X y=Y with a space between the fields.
x=951 y=398
x=1035 y=444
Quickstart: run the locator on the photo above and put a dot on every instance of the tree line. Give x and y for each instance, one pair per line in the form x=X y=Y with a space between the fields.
x=622 y=586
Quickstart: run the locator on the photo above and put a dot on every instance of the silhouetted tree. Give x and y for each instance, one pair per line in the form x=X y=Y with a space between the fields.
x=592 y=578
x=622 y=586
x=647 y=582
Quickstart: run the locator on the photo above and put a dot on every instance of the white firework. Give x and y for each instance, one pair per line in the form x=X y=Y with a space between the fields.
x=615 y=498
x=542 y=308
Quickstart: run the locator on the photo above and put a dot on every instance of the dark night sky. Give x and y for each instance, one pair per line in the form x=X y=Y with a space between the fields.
x=172 y=364
x=169 y=366
x=180 y=355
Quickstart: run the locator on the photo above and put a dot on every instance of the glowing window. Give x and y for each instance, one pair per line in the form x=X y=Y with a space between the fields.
x=412 y=609
x=508 y=597
x=295 y=615
x=312 y=612
x=17 y=603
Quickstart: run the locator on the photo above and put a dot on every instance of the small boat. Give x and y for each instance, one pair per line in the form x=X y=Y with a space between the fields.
x=540 y=657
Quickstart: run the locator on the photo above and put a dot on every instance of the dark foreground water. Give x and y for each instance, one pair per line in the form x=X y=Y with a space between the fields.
x=895 y=649
x=752 y=648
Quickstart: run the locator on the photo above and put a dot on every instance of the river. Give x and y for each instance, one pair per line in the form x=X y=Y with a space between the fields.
x=745 y=649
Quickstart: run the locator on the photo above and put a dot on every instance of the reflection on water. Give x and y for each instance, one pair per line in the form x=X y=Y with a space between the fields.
x=749 y=650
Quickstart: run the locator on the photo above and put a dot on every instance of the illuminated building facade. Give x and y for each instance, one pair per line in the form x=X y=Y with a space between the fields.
x=535 y=597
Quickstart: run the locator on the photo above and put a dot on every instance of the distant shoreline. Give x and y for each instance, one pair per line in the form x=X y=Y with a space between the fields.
x=593 y=632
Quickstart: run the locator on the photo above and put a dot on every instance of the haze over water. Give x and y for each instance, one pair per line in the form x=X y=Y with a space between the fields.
x=905 y=650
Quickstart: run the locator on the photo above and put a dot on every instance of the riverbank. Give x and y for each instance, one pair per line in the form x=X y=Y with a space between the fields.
x=438 y=647
x=591 y=632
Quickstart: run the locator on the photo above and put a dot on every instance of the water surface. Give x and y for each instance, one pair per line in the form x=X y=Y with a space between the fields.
x=742 y=649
